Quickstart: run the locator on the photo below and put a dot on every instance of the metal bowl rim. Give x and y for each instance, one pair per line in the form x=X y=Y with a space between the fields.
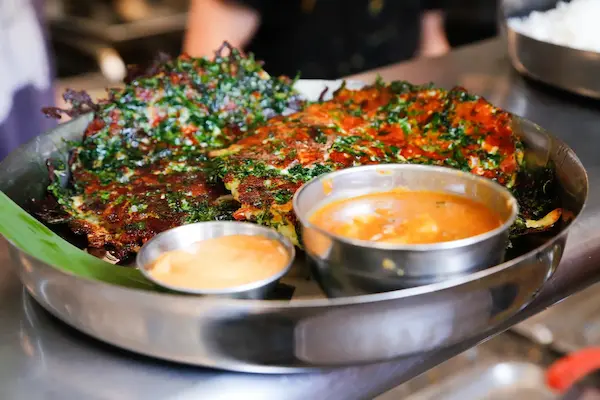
x=452 y=244
x=285 y=242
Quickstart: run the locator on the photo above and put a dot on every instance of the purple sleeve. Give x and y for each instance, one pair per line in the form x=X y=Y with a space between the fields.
x=25 y=74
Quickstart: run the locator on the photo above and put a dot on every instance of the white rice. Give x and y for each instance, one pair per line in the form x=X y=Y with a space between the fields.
x=575 y=24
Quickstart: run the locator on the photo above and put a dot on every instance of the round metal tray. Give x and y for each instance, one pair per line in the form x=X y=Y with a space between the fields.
x=283 y=336
x=563 y=67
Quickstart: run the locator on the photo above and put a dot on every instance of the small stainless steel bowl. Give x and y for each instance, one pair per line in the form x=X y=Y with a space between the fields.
x=185 y=236
x=346 y=266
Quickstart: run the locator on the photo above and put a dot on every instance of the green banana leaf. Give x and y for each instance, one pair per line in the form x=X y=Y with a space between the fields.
x=34 y=238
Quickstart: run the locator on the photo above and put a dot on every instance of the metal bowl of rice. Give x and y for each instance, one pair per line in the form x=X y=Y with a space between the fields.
x=555 y=42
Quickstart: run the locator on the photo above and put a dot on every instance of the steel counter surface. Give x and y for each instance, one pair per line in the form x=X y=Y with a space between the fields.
x=44 y=359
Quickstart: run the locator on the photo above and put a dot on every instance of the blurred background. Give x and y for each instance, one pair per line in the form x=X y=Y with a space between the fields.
x=102 y=36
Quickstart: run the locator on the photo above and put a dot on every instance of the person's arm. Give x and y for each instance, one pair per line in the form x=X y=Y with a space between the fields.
x=210 y=22
x=433 y=40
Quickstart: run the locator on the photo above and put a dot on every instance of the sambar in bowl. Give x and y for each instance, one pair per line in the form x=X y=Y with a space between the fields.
x=385 y=227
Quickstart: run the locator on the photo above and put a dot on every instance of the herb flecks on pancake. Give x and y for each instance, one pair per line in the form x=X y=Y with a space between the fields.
x=198 y=140
x=141 y=167
x=384 y=123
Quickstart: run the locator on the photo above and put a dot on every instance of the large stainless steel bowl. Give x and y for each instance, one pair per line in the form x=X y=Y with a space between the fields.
x=279 y=336
x=347 y=267
x=560 y=66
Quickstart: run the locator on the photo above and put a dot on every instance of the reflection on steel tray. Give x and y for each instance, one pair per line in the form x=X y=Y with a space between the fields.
x=282 y=336
x=507 y=367
x=569 y=326
x=491 y=381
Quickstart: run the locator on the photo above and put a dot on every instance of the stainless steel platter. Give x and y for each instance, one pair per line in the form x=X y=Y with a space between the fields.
x=308 y=332
x=560 y=66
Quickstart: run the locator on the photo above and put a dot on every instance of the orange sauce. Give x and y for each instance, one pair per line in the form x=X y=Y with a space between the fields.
x=406 y=217
x=221 y=263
